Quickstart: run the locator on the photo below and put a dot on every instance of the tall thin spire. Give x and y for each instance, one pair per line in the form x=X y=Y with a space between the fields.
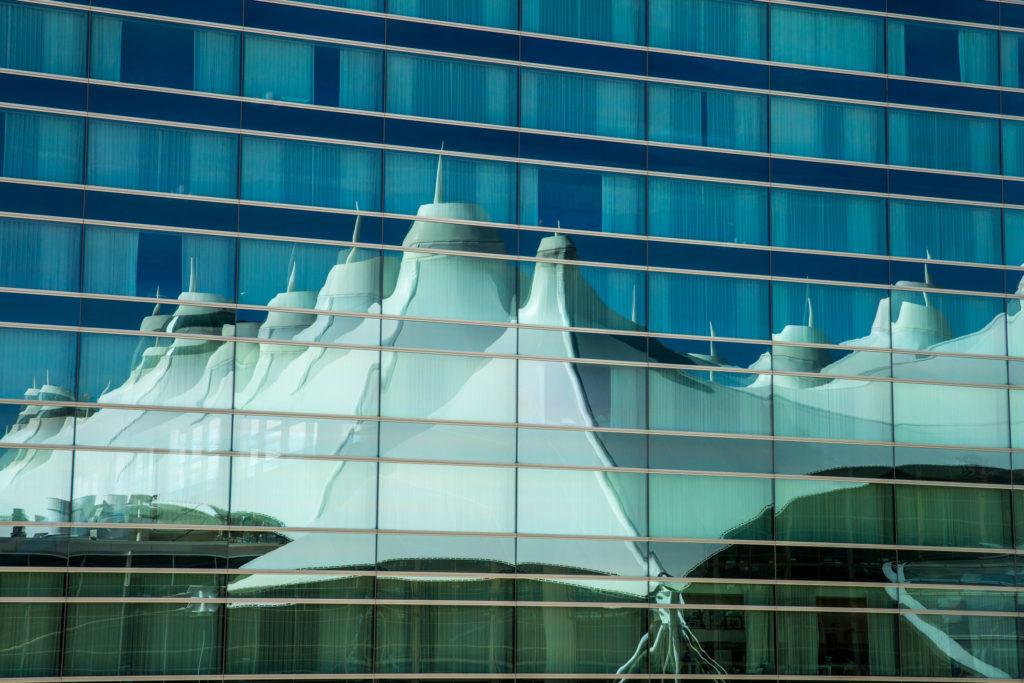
x=632 y=310
x=927 y=276
x=355 y=236
x=156 y=307
x=193 y=280
x=439 y=179
x=711 y=341
x=291 y=276
x=810 y=312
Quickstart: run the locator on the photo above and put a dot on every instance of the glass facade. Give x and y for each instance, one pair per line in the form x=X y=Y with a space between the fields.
x=511 y=339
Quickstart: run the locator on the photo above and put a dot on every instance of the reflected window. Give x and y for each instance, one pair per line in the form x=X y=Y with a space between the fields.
x=48 y=254
x=689 y=506
x=41 y=38
x=574 y=103
x=707 y=118
x=948 y=53
x=723 y=27
x=836 y=644
x=833 y=512
x=953 y=516
x=496 y=13
x=831 y=222
x=41 y=146
x=945 y=141
x=587 y=200
x=617 y=21
x=451 y=89
x=839 y=40
x=829 y=130
x=707 y=211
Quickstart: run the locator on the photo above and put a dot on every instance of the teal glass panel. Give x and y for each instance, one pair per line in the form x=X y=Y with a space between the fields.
x=366 y=5
x=707 y=211
x=576 y=503
x=142 y=639
x=831 y=222
x=311 y=73
x=587 y=296
x=944 y=141
x=410 y=184
x=833 y=511
x=829 y=643
x=41 y=146
x=836 y=595
x=32 y=634
x=443 y=639
x=942 y=645
x=267 y=269
x=1010 y=54
x=617 y=21
x=717 y=402
x=950 y=232
x=445 y=498
x=707 y=118
x=953 y=516
x=48 y=254
x=421 y=385
x=133 y=51
x=298 y=638
x=950 y=415
x=943 y=52
x=595 y=640
x=735 y=28
x=574 y=103
x=685 y=506
x=838 y=40
x=451 y=89
x=162 y=159
x=582 y=199
x=1013 y=226
x=830 y=408
x=830 y=130
x=947 y=322
x=1013 y=148
x=496 y=13
x=36 y=481
x=288 y=172
x=712 y=642
x=41 y=38
x=827 y=314
x=697 y=304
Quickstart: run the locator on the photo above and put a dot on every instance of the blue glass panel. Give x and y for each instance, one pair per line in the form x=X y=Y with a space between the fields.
x=828 y=129
x=365 y=5
x=583 y=55
x=872 y=5
x=831 y=222
x=1011 y=59
x=310 y=173
x=442 y=38
x=45 y=310
x=40 y=360
x=210 y=111
x=314 y=122
x=589 y=200
x=597 y=248
x=162 y=159
x=136 y=52
x=303 y=20
x=828 y=83
x=1013 y=148
x=709 y=118
x=688 y=304
x=722 y=27
x=410 y=183
x=47 y=254
x=946 y=96
x=1013 y=102
x=497 y=13
x=582 y=151
x=949 y=53
x=451 y=89
x=706 y=353
x=1013 y=220
x=825 y=314
x=43 y=92
x=839 y=176
x=952 y=187
x=837 y=460
x=189 y=213
x=40 y=38
x=705 y=257
x=41 y=146
x=707 y=211
x=50 y=201
x=617 y=21
x=267 y=220
x=838 y=40
x=309 y=73
x=952 y=277
x=958 y=143
x=699 y=162
x=822 y=267
x=223 y=11
x=575 y=103
x=945 y=231
x=703 y=69
x=454 y=137
x=978 y=11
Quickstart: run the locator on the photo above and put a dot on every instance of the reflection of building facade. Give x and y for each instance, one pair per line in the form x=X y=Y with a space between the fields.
x=411 y=431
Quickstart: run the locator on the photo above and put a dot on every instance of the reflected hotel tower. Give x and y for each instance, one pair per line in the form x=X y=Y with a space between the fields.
x=511 y=340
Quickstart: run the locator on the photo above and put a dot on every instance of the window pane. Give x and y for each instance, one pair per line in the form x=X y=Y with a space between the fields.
x=833 y=39
x=578 y=639
x=618 y=21
x=707 y=211
x=833 y=643
x=944 y=231
x=953 y=516
x=696 y=304
x=40 y=38
x=484 y=189
x=722 y=402
x=1013 y=148
x=833 y=512
x=573 y=502
x=162 y=159
x=314 y=174
x=957 y=143
x=573 y=103
x=713 y=641
x=47 y=254
x=959 y=645
x=685 y=506
x=443 y=639
x=949 y=53
x=832 y=222
x=722 y=27
x=134 y=51
x=497 y=13
x=828 y=129
x=565 y=295
x=581 y=395
x=1011 y=56
x=708 y=118
x=446 y=498
x=967 y=416
x=421 y=385
x=586 y=200
x=41 y=146
x=451 y=89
